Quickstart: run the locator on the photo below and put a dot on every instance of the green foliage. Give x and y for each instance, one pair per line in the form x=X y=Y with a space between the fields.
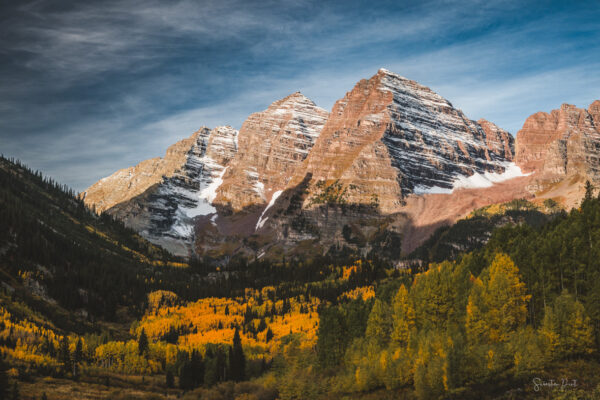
x=403 y=318
x=334 y=193
x=497 y=305
x=3 y=379
x=440 y=295
x=237 y=359
x=143 y=342
x=566 y=328
x=379 y=324
x=338 y=326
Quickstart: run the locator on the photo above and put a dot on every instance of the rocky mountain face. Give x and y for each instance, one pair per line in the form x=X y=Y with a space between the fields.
x=385 y=140
x=161 y=197
x=562 y=143
x=273 y=144
x=391 y=136
x=391 y=162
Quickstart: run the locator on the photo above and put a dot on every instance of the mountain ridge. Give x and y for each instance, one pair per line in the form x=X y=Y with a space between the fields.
x=386 y=152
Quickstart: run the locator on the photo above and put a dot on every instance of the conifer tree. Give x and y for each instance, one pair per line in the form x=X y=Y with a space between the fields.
x=64 y=354
x=15 y=395
x=331 y=341
x=169 y=379
x=3 y=379
x=238 y=364
x=566 y=329
x=379 y=325
x=142 y=342
x=77 y=355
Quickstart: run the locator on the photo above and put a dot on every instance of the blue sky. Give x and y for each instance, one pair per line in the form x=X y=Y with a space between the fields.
x=87 y=88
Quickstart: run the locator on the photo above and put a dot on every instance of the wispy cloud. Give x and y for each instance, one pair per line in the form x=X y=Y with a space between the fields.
x=90 y=87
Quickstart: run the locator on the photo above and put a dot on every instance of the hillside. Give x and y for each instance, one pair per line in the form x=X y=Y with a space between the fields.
x=66 y=255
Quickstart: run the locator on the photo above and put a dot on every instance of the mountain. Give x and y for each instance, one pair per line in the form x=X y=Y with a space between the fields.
x=390 y=164
x=391 y=136
x=160 y=197
x=561 y=147
x=272 y=146
x=387 y=139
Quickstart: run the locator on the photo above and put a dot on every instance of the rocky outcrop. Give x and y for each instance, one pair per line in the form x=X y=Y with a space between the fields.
x=163 y=202
x=273 y=144
x=560 y=144
x=391 y=136
x=127 y=183
x=498 y=141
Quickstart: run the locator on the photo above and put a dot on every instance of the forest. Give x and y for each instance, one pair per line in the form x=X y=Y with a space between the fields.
x=89 y=309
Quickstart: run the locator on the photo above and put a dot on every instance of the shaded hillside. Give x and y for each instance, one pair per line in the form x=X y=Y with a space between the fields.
x=53 y=248
x=473 y=232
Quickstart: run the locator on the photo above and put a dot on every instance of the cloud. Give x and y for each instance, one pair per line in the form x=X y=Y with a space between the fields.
x=91 y=87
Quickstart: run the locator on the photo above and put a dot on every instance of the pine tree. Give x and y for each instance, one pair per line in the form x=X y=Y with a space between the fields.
x=589 y=192
x=142 y=342
x=566 y=329
x=15 y=395
x=238 y=359
x=3 y=379
x=64 y=354
x=197 y=368
x=331 y=341
x=379 y=325
x=269 y=335
x=186 y=376
x=77 y=356
x=169 y=379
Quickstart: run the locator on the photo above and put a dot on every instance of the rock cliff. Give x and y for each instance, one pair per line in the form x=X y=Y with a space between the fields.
x=562 y=143
x=272 y=146
x=160 y=198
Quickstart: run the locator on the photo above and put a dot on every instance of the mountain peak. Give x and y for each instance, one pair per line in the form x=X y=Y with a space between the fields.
x=294 y=101
x=272 y=145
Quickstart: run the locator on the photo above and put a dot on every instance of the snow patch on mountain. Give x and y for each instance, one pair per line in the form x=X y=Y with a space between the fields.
x=262 y=221
x=475 y=181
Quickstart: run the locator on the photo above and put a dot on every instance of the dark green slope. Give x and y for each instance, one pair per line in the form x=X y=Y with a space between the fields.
x=58 y=256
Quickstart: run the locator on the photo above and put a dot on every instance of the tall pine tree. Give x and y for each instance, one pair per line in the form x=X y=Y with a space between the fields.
x=238 y=359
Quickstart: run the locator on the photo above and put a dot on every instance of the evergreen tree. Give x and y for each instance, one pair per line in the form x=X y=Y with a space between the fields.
x=142 y=342
x=64 y=354
x=15 y=395
x=331 y=340
x=77 y=356
x=197 y=368
x=238 y=359
x=3 y=379
x=589 y=191
x=566 y=329
x=169 y=379
x=186 y=375
x=211 y=371
x=379 y=325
